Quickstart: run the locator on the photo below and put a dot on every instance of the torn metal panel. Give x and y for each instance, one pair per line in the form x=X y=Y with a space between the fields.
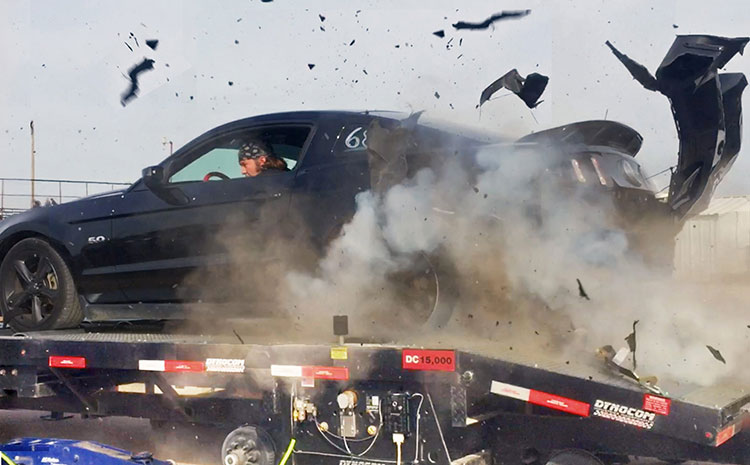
x=386 y=149
x=707 y=109
x=492 y=19
x=146 y=65
x=529 y=89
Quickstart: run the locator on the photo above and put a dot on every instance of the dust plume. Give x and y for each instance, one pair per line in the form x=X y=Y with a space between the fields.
x=511 y=234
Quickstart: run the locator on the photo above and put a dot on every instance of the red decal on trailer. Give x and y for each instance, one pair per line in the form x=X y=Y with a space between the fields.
x=428 y=360
x=67 y=362
x=725 y=435
x=181 y=366
x=325 y=372
x=559 y=403
x=656 y=404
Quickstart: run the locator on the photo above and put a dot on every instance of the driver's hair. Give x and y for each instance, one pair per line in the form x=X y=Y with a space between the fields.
x=274 y=163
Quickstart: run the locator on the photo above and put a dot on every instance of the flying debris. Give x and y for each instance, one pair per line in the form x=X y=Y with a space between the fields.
x=152 y=43
x=311 y=65
x=528 y=89
x=489 y=21
x=146 y=65
x=440 y=33
x=581 y=290
x=689 y=77
x=437 y=95
x=630 y=339
x=717 y=355
x=322 y=18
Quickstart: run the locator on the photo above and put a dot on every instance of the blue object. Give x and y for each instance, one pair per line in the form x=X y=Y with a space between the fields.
x=38 y=451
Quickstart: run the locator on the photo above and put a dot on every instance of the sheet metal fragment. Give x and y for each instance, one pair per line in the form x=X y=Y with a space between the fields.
x=717 y=355
x=529 y=89
x=492 y=19
x=146 y=65
x=581 y=291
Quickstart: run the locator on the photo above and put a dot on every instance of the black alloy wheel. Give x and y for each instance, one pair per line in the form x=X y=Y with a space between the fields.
x=37 y=287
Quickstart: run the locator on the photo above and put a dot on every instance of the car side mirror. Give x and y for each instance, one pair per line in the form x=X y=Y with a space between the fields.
x=153 y=178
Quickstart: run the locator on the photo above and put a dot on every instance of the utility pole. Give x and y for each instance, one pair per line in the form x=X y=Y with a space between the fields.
x=33 y=152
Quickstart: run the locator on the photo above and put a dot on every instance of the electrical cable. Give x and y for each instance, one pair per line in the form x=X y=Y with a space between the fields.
x=347 y=450
x=6 y=460
x=440 y=430
x=288 y=452
x=419 y=416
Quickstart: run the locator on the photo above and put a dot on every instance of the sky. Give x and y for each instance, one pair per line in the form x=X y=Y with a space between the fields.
x=65 y=67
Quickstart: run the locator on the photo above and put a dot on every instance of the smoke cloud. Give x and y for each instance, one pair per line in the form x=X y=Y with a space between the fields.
x=508 y=238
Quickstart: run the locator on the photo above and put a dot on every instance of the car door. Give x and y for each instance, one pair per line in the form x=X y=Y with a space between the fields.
x=193 y=252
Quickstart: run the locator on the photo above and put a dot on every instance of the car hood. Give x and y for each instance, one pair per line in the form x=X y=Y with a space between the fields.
x=707 y=109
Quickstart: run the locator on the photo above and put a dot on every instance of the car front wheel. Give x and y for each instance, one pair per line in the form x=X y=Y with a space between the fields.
x=38 y=291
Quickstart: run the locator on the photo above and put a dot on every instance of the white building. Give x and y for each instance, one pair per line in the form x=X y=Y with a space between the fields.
x=716 y=242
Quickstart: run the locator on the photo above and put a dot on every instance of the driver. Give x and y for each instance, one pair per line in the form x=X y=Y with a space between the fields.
x=256 y=156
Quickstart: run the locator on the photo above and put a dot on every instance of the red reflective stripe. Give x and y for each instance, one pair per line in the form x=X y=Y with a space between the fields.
x=325 y=372
x=67 y=362
x=725 y=435
x=559 y=403
x=181 y=366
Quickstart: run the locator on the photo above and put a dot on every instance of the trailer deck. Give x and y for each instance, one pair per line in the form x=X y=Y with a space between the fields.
x=354 y=401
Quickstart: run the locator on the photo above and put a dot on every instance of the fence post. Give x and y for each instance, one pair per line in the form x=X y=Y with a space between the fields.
x=2 y=197
x=59 y=191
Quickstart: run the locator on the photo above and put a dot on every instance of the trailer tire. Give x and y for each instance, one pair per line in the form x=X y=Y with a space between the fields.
x=573 y=457
x=248 y=445
x=38 y=290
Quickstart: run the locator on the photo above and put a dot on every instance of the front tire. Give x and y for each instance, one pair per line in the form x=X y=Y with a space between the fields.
x=37 y=291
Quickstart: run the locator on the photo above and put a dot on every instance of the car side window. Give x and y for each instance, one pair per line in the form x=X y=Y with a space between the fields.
x=218 y=159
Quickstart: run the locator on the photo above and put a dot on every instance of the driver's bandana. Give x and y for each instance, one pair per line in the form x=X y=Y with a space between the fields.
x=253 y=150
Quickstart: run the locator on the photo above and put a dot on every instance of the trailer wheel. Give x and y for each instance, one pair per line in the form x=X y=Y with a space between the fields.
x=38 y=291
x=248 y=445
x=573 y=457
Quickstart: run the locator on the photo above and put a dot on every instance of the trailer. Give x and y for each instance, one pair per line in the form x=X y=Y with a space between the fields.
x=347 y=402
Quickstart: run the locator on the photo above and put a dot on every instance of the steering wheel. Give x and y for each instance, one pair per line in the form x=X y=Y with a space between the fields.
x=217 y=174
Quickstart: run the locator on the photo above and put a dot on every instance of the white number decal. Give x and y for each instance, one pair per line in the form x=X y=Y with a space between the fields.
x=354 y=142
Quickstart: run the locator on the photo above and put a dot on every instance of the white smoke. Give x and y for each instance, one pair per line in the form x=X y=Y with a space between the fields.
x=517 y=239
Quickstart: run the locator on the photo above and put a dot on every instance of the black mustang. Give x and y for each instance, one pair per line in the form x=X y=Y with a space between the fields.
x=129 y=254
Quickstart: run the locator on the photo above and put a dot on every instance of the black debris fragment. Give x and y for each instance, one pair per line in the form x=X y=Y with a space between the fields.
x=440 y=33
x=674 y=26
x=152 y=43
x=630 y=339
x=322 y=29
x=311 y=65
x=231 y=83
x=146 y=65
x=236 y=41
x=352 y=42
x=528 y=89
x=581 y=290
x=488 y=22
x=637 y=70
x=437 y=95
x=717 y=355
x=322 y=18
x=128 y=46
